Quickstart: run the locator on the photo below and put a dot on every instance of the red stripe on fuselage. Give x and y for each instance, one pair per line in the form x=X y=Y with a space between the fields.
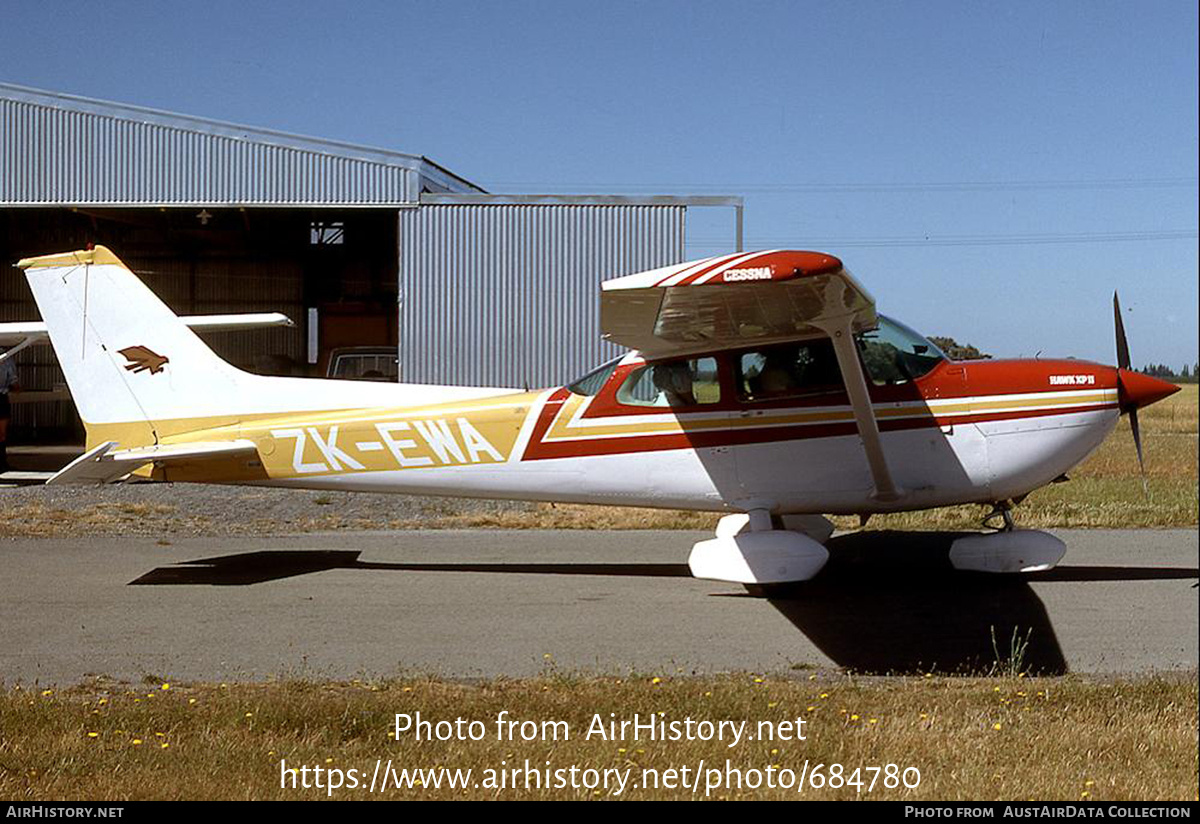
x=746 y=436
x=977 y=380
x=546 y=416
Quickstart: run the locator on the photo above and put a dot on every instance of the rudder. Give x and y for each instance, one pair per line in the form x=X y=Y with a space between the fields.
x=130 y=362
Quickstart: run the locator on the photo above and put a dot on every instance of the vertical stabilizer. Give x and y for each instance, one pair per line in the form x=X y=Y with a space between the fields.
x=128 y=359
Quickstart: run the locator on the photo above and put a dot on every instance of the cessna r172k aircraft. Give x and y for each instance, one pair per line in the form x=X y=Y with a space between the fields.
x=762 y=385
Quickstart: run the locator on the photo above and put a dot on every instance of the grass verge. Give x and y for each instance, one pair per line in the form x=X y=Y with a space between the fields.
x=1009 y=738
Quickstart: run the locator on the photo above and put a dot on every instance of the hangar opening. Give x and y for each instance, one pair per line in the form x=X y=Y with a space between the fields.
x=333 y=273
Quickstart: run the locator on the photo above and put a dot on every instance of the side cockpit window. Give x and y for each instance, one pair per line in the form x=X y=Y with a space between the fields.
x=690 y=382
x=788 y=371
x=894 y=354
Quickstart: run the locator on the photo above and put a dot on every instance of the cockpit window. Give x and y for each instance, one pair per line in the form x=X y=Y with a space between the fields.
x=893 y=353
x=673 y=383
x=788 y=371
x=594 y=381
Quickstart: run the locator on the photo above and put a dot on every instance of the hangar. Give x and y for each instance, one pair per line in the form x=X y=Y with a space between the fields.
x=360 y=247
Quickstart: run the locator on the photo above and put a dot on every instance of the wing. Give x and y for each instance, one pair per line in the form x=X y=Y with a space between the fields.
x=753 y=299
x=231 y=323
x=736 y=300
x=12 y=334
x=26 y=333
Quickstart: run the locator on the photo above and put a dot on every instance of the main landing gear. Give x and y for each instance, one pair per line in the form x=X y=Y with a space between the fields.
x=763 y=551
x=758 y=549
x=1008 y=549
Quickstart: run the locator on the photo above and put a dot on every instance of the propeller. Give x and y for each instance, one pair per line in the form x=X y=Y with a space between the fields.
x=1124 y=363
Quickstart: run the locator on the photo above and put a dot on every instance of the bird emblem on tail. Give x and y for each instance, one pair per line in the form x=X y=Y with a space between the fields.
x=141 y=359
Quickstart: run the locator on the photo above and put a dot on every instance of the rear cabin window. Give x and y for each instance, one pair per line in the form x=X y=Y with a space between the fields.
x=594 y=381
x=680 y=383
x=789 y=371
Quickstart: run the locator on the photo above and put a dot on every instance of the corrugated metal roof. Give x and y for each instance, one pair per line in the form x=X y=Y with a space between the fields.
x=58 y=149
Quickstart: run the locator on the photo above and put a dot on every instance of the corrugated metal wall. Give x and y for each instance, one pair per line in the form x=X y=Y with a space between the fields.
x=509 y=295
x=52 y=155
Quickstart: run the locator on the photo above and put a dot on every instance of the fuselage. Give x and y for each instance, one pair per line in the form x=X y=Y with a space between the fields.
x=973 y=431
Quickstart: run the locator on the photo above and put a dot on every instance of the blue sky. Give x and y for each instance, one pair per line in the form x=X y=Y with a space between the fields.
x=990 y=171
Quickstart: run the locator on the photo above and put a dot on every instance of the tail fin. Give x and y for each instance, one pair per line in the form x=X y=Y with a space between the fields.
x=130 y=362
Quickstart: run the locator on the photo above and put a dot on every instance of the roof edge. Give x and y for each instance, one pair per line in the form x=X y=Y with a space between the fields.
x=238 y=131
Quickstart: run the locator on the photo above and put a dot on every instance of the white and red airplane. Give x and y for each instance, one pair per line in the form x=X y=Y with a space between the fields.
x=762 y=385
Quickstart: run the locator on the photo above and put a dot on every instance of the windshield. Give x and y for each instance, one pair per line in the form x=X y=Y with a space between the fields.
x=893 y=353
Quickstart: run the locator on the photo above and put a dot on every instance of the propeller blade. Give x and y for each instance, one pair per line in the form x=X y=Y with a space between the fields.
x=1137 y=442
x=1123 y=363
x=1122 y=343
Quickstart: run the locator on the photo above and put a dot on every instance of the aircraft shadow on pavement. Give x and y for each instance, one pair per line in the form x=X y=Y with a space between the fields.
x=891 y=603
x=886 y=603
x=272 y=565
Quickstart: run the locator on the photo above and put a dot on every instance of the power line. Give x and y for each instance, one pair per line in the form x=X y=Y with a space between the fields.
x=953 y=240
x=873 y=187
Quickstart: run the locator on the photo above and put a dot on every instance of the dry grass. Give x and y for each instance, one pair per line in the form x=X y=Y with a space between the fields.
x=972 y=739
x=39 y=520
x=564 y=516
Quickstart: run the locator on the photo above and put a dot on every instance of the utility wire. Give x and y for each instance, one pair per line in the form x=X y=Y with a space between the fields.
x=810 y=241
x=871 y=187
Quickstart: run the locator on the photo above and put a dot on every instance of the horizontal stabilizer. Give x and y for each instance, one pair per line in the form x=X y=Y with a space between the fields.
x=101 y=465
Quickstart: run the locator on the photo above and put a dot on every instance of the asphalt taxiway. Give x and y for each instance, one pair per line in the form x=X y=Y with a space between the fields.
x=486 y=603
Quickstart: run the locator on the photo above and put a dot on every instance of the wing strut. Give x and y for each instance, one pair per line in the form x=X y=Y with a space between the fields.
x=842 y=335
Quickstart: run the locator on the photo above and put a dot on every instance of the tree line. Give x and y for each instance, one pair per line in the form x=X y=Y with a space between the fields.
x=965 y=351
x=1187 y=374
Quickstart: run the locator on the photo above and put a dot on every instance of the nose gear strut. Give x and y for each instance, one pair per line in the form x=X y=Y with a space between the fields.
x=1000 y=509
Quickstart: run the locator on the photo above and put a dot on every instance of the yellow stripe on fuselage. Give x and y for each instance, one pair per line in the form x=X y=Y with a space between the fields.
x=301 y=444
x=570 y=426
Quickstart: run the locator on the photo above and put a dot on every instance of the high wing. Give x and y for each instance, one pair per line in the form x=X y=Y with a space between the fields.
x=732 y=301
x=21 y=334
x=752 y=299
